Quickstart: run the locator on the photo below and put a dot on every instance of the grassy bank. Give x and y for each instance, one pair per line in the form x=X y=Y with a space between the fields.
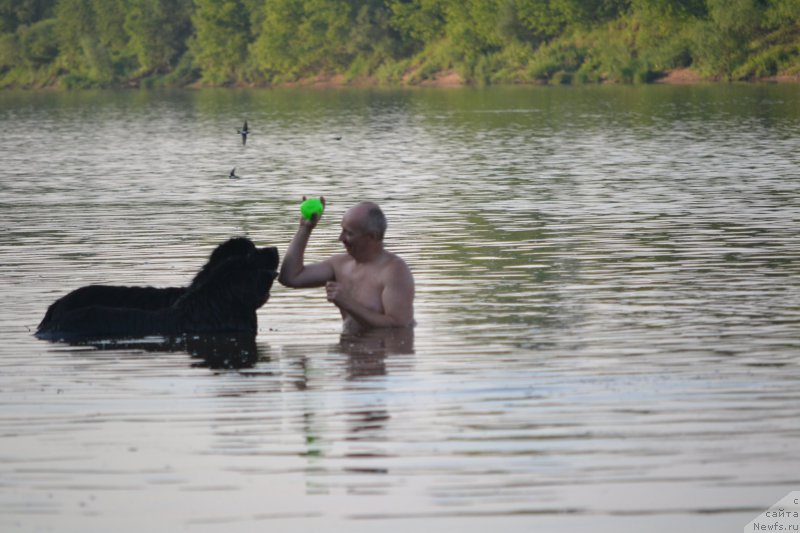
x=69 y=44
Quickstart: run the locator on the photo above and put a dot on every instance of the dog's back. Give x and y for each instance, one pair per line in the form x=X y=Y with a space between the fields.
x=148 y=298
x=104 y=322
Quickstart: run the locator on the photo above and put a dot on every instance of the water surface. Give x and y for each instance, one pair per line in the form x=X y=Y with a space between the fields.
x=608 y=299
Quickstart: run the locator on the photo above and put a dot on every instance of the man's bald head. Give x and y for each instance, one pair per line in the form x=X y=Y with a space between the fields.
x=370 y=218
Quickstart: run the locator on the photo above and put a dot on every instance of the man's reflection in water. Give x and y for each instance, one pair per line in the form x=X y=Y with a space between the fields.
x=367 y=351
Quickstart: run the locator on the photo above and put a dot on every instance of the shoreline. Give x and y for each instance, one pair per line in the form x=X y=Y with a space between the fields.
x=686 y=76
x=451 y=79
x=448 y=79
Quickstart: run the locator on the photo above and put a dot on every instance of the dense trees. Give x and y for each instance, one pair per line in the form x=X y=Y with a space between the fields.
x=222 y=36
x=77 y=43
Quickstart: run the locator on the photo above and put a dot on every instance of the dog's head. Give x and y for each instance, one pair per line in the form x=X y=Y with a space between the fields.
x=264 y=262
x=233 y=247
x=232 y=288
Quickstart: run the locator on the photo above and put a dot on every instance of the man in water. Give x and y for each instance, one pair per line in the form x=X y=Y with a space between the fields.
x=372 y=287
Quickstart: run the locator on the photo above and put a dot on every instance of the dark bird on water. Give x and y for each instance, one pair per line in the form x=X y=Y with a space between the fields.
x=243 y=132
x=233 y=175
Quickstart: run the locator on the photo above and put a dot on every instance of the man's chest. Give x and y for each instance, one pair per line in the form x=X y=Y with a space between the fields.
x=364 y=284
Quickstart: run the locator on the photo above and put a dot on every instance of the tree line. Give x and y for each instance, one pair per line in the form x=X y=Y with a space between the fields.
x=113 y=43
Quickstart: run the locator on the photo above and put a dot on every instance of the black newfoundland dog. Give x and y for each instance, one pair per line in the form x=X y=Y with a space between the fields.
x=222 y=298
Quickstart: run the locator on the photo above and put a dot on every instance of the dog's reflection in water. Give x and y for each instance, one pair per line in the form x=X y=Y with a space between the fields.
x=366 y=351
x=219 y=351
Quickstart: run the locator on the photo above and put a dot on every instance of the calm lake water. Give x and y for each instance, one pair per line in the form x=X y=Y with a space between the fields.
x=608 y=299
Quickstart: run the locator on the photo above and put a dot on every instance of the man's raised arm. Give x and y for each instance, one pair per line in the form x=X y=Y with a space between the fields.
x=294 y=273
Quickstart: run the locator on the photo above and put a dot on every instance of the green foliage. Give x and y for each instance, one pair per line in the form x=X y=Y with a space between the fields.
x=302 y=37
x=86 y=43
x=720 y=40
x=776 y=53
x=109 y=25
x=612 y=57
x=371 y=34
x=38 y=44
x=392 y=72
x=158 y=30
x=662 y=38
x=16 y=13
x=92 y=44
x=417 y=22
x=438 y=57
x=552 y=59
x=782 y=14
x=9 y=51
x=473 y=30
x=222 y=37
x=74 y=22
x=763 y=64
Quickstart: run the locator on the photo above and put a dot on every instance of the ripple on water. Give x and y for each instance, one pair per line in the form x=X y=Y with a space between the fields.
x=607 y=298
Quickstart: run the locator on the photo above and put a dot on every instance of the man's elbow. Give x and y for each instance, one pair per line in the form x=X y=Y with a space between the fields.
x=294 y=280
x=287 y=280
x=401 y=321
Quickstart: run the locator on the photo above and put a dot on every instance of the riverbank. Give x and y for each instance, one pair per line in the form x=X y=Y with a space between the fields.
x=452 y=79
x=332 y=44
x=449 y=78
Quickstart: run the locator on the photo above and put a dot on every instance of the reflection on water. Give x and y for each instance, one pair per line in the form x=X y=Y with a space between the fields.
x=366 y=352
x=608 y=300
x=213 y=351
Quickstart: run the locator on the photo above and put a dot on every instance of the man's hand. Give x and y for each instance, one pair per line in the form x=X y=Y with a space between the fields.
x=334 y=293
x=310 y=224
x=294 y=271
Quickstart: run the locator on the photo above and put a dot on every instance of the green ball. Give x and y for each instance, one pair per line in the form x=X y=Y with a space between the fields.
x=311 y=207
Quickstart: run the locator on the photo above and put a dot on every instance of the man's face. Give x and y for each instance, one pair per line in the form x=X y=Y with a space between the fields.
x=353 y=236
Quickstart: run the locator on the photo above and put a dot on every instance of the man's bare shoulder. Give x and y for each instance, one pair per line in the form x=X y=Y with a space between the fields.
x=339 y=259
x=340 y=263
x=396 y=266
x=396 y=261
